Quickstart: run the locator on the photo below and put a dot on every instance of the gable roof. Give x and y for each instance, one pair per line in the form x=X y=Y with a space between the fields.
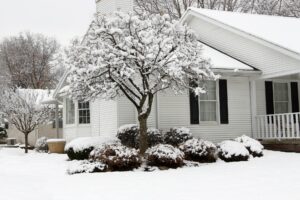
x=275 y=29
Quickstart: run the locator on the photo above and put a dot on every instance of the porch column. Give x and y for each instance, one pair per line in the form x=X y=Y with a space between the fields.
x=253 y=107
x=56 y=120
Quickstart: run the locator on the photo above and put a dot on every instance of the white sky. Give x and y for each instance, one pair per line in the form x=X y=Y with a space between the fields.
x=62 y=19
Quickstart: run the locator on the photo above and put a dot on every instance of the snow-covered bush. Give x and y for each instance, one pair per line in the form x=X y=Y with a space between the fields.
x=85 y=166
x=154 y=137
x=80 y=148
x=254 y=147
x=199 y=150
x=164 y=155
x=41 y=145
x=129 y=136
x=3 y=133
x=231 y=151
x=117 y=157
x=177 y=135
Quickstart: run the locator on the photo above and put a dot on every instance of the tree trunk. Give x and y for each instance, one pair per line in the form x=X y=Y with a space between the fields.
x=143 y=143
x=26 y=142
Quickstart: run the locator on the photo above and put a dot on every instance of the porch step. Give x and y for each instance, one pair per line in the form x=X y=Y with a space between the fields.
x=286 y=145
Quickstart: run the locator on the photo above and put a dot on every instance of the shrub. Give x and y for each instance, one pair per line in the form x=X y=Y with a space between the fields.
x=199 y=150
x=254 y=147
x=129 y=136
x=85 y=166
x=80 y=148
x=154 y=137
x=3 y=133
x=176 y=136
x=41 y=145
x=117 y=157
x=231 y=151
x=164 y=155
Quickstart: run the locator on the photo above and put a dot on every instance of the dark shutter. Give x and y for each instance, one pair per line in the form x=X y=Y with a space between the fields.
x=224 y=119
x=295 y=97
x=194 y=106
x=269 y=97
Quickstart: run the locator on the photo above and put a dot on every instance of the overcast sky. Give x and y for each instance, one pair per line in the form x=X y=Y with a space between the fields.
x=62 y=19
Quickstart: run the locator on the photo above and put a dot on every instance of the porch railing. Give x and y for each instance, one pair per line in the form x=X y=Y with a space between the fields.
x=278 y=126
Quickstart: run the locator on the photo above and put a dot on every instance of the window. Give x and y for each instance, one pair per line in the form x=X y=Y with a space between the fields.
x=84 y=112
x=70 y=112
x=281 y=98
x=208 y=102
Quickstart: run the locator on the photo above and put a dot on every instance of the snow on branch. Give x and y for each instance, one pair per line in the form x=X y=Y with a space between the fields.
x=136 y=56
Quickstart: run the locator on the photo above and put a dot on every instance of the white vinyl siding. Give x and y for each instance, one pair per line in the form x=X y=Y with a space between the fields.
x=174 y=112
x=269 y=61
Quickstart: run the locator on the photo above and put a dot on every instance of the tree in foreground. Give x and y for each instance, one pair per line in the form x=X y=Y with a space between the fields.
x=136 y=57
x=23 y=109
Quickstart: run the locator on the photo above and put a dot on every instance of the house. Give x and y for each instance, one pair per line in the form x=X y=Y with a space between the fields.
x=258 y=58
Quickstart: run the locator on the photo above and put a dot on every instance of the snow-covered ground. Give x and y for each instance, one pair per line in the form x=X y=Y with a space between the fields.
x=43 y=177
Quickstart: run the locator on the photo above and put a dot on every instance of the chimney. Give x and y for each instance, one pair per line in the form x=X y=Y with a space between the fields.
x=109 y=6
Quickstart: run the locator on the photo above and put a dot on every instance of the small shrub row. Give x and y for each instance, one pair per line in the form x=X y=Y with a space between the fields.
x=129 y=136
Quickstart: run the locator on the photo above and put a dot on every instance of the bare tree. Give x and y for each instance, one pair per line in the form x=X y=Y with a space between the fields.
x=23 y=109
x=27 y=60
x=136 y=57
x=176 y=8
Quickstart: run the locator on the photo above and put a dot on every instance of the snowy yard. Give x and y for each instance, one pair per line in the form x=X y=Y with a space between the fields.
x=43 y=177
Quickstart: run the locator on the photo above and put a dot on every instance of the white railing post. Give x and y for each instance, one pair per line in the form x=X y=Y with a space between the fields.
x=285 y=125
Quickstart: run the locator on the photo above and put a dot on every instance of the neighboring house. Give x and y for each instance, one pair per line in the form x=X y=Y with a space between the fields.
x=258 y=58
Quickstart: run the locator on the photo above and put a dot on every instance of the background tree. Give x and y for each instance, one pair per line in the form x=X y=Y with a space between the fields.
x=136 y=57
x=27 y=61
x=176 y=8
x=22 y=108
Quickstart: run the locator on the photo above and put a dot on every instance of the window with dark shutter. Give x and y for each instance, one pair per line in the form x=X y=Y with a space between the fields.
x=194 y=106
x=269 y=97
x=295 y=97
x=223 y=96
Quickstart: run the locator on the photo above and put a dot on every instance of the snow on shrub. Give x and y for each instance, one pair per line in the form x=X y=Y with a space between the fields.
x=154 y=137
x=85 y=166
x=80 y=148
x=231 y=151
x=164 y=155
x=199 y=150
x=129 y=136
x=176 y=136
x=3 y=133
x=117 y=157
x=41 y=145
x=254 y=147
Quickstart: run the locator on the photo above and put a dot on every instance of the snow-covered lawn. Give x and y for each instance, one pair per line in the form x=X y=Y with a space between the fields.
x=43 y=177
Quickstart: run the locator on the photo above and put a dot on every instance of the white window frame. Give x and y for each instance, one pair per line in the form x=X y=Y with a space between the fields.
x=217 y=108
x=289 y=95
x=82 y=109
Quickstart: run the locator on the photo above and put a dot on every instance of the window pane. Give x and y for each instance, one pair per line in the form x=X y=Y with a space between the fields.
x=84 y=112
x=208 y=111
x=281 y=107
x=210 y=91
x=281 y=92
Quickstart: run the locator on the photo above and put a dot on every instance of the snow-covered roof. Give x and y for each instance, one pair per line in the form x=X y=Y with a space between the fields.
x=281 y=31
x=39 y=95
x=222 y=61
